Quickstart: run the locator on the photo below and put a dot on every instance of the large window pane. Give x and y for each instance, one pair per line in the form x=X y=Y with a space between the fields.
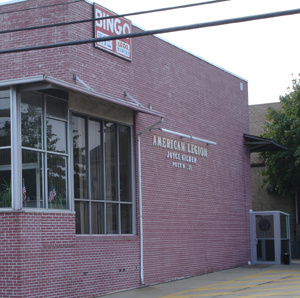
x=82 y=217
x=5 y=178
x=125 y=163
x=32 y=177
x=4 y=118
x=126 y=219
x=96 y=166
x=56 y=136
x=31 y=120
x=57 y=181
x=97 y=218
x=79 y=152
x=110 y=161
x=112 y=219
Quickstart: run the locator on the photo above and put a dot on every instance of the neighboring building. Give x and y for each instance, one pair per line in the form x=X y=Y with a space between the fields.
x=261 y=199
x=82 y=161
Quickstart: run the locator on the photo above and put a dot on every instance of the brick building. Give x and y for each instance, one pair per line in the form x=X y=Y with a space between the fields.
x=117 y=169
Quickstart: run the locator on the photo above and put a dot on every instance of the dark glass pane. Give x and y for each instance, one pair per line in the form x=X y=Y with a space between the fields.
x=32 y=177
x=264 y=226
x=56 y=136
x=126 y=219
x=57 y=181
x=4 y=118
x=82 y=217
x=110 y=161
x=31 y=120
x=56 y=108
x=5 y=178
x=125 y=163
x=283 y=226
x=112 y=219
x=79 y=154
x=97 y=218
x=265 y=250
x=95 y=160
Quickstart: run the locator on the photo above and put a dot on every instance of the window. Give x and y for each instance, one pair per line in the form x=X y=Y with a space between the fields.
x=34 y=158
x=5 y=149
x=44 y=151
x=102 y=176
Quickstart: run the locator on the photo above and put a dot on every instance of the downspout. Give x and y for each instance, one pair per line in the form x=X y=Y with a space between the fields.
x=140 y=197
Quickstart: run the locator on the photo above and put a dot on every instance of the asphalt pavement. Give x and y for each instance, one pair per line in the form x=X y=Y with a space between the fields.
x=247 y=281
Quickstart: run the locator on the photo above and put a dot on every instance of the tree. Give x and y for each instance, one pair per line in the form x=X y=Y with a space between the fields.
x=282 y=168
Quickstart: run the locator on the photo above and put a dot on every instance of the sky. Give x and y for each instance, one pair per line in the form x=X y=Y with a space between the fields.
x=264 y=52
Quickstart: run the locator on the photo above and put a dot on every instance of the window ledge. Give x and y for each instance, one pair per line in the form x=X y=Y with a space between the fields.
x=100 y=237
x=56 y=211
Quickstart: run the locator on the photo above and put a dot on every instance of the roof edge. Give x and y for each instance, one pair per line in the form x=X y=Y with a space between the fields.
x=83 y=90
x=259 y=144
x=12 y=2
x=185 y=50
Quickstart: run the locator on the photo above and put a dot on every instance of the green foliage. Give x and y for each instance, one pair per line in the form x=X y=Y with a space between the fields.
x=5 y=195
x=282 y=171
x=59 y=202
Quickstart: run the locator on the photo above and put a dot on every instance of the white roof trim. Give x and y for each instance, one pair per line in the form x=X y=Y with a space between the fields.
x=12 y=2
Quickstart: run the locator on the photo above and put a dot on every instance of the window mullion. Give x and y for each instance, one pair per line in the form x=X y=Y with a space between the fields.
x=71 y=158
x=88 y=174
x=45 y=155
x=103 y=176
x=132 y=175
x=16 y=151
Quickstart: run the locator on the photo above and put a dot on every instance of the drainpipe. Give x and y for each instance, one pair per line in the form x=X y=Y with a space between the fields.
x=140 y=197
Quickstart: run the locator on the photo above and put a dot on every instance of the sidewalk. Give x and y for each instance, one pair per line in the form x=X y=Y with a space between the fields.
x=247 y=281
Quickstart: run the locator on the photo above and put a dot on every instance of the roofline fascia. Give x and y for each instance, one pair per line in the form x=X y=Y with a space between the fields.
x=12 y=2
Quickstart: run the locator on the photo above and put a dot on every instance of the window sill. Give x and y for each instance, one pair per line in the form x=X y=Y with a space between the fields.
x=100 y=237
x=56 y=211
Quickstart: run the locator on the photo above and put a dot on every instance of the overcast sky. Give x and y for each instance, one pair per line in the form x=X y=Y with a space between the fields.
x=265 y=52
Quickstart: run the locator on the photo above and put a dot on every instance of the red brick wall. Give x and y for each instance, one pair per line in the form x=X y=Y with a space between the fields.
x=42 y=257
x=194 y=221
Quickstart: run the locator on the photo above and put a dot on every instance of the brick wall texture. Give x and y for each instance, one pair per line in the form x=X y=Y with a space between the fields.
x=195 y=221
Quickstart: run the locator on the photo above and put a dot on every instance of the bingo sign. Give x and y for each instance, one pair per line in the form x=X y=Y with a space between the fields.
x=112 y=27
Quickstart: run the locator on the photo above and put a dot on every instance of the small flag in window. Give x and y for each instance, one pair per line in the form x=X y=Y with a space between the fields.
x=24 y=192
x=52 y=193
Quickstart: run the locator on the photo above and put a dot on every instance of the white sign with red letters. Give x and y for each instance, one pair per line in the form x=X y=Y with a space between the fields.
x=112 y=27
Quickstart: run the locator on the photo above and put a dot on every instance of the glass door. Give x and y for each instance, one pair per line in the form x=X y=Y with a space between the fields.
x=265 y=240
